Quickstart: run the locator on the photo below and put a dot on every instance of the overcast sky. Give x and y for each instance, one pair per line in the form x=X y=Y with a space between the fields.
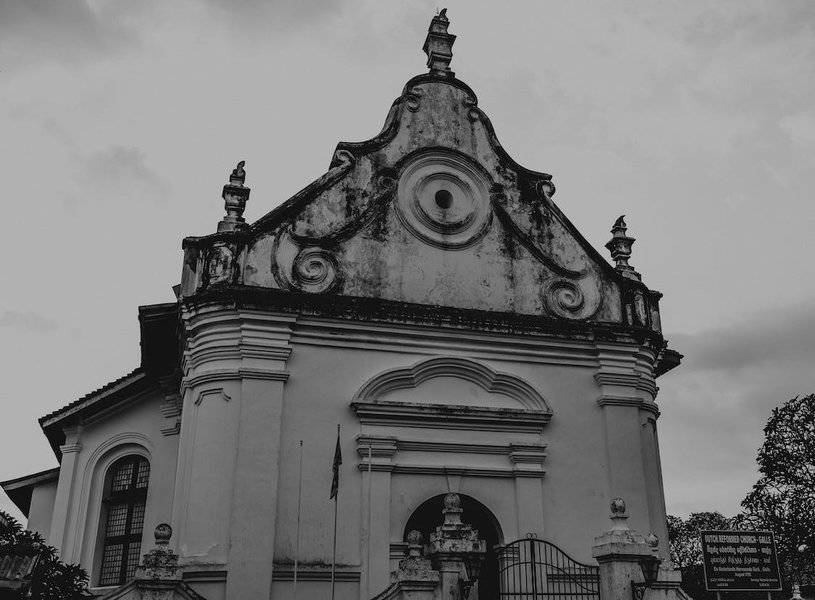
x=121 y=120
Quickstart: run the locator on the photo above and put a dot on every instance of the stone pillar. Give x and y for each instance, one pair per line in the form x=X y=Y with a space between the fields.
x=456 y=552
x=620 y=552
x=415 y=578
x=62 y=503
x=376 y=542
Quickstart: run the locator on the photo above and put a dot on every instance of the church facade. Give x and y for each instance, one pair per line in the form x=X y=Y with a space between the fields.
x=425 y=294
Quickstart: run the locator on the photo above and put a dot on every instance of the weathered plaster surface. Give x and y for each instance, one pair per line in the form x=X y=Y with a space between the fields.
x=358 y=231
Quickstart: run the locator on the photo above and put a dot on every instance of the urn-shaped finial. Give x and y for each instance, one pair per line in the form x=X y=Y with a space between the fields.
x=620 y=247
x=162 y=534
x=438 y=45
x=452 y=509
x=235 y=195
x=415 y=540
x=618 y=515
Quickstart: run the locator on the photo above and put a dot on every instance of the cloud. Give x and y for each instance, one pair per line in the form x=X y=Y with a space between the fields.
x=777 y=338
x=27 y=321
x=120 y=173
x=716 y=403
x=281 y=16
x=63 y=31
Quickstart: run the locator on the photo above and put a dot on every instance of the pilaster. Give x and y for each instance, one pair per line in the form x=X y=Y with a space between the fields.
x=227 y=482
x=62 y=503
x=627 y=393
x=376 y=542
x=527 y=464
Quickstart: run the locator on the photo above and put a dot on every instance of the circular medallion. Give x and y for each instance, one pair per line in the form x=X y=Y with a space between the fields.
x=443 y=199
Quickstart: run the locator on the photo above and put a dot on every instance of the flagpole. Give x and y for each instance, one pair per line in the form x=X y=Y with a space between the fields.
x=334 y=552
x=370 y=522
x=297 y=534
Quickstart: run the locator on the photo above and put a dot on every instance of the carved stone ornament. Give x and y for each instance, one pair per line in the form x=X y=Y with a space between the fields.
x=315 y=270
x=305 y=266
x=161 y=562
x=443 y=199
x=563 y=298
x=220 y=264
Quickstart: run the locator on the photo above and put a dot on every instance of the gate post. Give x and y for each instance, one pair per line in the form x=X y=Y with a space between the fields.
x=620 y=552
x=456 y=552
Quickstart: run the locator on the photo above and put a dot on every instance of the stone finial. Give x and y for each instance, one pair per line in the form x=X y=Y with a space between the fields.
x=161 y=562
x=620 y=247
x=414 y=540
x=618 y=515
x=162 y=534
x=235 y=195
x=452 y=509
x=438 y=45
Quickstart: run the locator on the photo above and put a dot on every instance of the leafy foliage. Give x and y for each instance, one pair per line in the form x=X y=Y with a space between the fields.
x=686 y=548
x=783 y=499
x=51 y=578
x=683 y=536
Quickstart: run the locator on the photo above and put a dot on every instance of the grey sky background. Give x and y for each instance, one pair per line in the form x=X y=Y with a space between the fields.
x=121 y=120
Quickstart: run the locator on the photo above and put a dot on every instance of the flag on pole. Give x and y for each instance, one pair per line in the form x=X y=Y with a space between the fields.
x=335 y=483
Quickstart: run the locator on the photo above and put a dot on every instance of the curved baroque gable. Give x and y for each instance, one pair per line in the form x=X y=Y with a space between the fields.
x=459 y=368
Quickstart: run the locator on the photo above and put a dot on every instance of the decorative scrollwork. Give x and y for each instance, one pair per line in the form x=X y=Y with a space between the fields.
x=315 y=270
x=413 y=97
x=564 y=298
x=545 y=188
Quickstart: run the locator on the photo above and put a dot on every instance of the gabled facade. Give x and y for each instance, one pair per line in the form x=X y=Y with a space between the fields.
x=427 y=295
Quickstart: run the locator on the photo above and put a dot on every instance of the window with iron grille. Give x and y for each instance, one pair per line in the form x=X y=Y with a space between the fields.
x=125 y=496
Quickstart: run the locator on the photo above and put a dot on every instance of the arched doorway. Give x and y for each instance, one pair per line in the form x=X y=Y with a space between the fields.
x=428 y=516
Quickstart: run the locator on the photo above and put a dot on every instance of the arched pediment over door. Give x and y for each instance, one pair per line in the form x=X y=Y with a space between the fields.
x=451 y=392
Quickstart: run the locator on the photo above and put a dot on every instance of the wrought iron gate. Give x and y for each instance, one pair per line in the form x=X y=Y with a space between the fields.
x=533 y=569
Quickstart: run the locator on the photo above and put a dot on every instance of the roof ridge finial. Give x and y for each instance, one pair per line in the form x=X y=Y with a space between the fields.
x=438 y=45
x=235 y=195
x=620 y=247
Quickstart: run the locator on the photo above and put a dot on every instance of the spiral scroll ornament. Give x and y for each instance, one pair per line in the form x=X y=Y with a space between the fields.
x=315 y=270
x=564 y=298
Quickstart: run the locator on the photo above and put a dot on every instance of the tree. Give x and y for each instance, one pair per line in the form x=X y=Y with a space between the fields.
x=51 y=579
x=783 y=499
x=686 y=548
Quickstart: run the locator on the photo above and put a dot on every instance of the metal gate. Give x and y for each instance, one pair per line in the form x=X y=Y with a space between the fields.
x=533 y=569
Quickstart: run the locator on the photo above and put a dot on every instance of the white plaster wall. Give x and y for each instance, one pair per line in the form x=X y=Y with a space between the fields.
x=42 y=508
x=134 y=428
x=575 y=491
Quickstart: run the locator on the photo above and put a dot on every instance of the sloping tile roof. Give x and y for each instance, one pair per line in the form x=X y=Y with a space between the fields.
x=20 y=488
x=93 y=396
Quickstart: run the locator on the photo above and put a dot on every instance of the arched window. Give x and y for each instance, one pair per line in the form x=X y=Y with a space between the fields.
x=125 y=496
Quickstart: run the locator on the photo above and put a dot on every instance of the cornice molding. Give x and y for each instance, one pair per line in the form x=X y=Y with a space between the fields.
x=402 y=469
x=626 y=401
x=231 y=375
x=382 y=446
x=70 y=448
x=450 y=416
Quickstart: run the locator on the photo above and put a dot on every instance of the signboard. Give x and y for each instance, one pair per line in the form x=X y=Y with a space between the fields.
x=740 y=561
